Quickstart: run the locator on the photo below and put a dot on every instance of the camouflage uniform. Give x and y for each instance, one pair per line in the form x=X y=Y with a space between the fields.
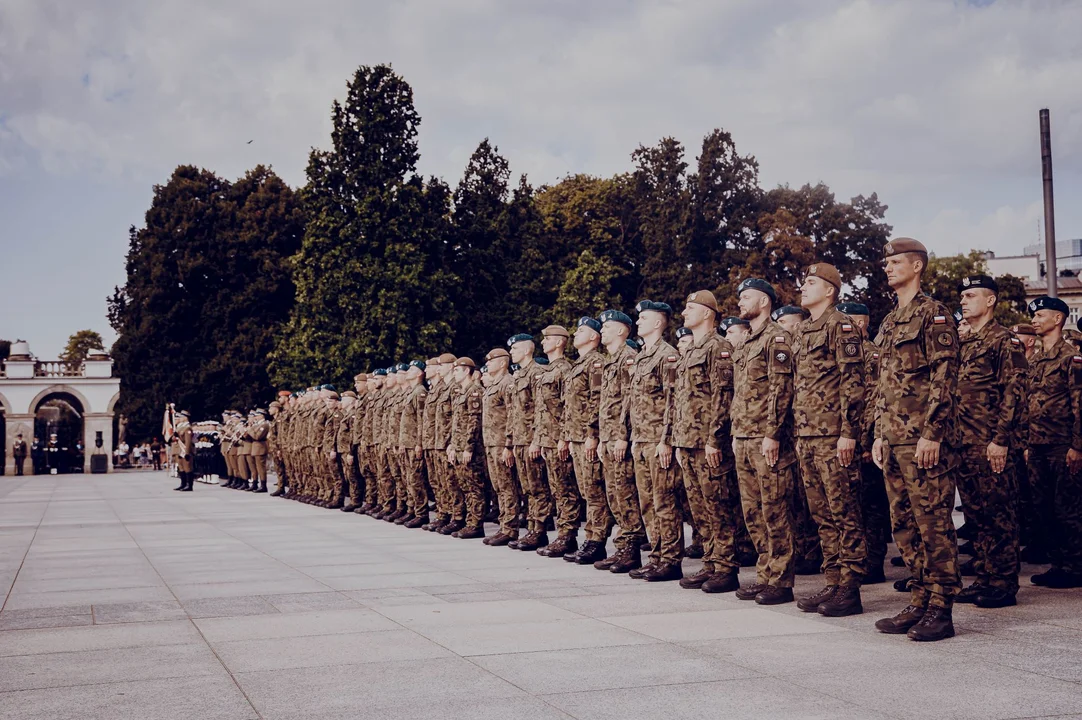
x=454 y=500
x=432 y=452
x=530 y=471
x=652 y=376
x=496 y=432
x=360 y=440
x=697 y=417
x=874 y=505
x=762 y=401
x=1054 y=393
x=549 y=406
x=582 y=390
x=466 y=408
x=409 y=438
x=828 y=403
x=918 y=372
x=613 y=426
x=334 y=478
x=344 y=447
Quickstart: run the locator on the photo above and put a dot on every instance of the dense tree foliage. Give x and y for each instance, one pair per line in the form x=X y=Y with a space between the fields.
x=944 y=275
x=79 y=346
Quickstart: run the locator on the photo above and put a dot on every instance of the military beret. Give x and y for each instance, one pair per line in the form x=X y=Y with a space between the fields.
x=733 y=320
x=433 y=361
x=589 y=322
x=401 y=367
x=349 y=394
x=1048 y=303
x=465 y=362
x=897 y=246
x=616 y=316
x=704 y=298
x=483 y=369
x=826 y=272
x=332 y=394
x=757 y=284
x=1023 y=330
x=447 y=359
x=515 y=367
x=274 y=404
x=521 y=337
x=957 y=314
x=978 y=281
x=650 y=305
x=328 y=386
x=787 y=310
x=419 y=364
x=283 y=393
x=682 y=332
x=380 y=373
x=497 y=353
x=555 y=331
x=853 y=308
x=634 y=343
x=541 y=360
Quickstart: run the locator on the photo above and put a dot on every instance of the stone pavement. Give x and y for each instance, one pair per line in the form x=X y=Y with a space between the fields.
x=127 y=600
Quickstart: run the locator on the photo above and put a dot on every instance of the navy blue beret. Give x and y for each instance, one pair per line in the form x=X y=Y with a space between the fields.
x=541 y=360
x=590 y=323
x=1048 y=303
x=401 y=367
x=682 y=332
x=730 y=321
x=616 y=316
x=645 y=305
x=328 y=386
x=957 y=315
x=853 y=308
x=515 y=367
x=787 y=310
x=521 y=337
x=635 y=344
x=978 y=281
x=757 y=284
x=419 y=364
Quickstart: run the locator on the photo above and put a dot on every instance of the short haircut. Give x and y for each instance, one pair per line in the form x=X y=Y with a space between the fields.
x=919 y=255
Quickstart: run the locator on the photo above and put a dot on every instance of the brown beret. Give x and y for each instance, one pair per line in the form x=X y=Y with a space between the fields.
x=705 y=298
x=284 y=393
x=433 y=361
x=465 y=362
x=826 y=272
x=362 y=377
x=349 y=394
x=447 y=359
x=1023 y=330
x=897 y=246
x=555 y=331
x=497 y=353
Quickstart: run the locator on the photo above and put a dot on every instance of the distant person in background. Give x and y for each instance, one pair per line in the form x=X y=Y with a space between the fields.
x=37 y=456
x=156 y=453
x=122 y=455
x=19 y=451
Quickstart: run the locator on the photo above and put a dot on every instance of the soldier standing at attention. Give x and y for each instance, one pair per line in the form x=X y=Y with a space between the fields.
x=185 y=440
x=549 y=397
x=990 y=385
x=343 y=444
x=381 y=412
x=428 y=439
x=496 y=434
x=735 y=330
x=828 y=416
x=684 y=339
x=916 y=440
x=19 y=452
x=373 y=396
x=1054 y=392
x=243 y=447
x=652 y=379
x=413 y=462
x=333 y=476
x=358 y=483
x=530 y=470
x=274 y=444
x=259 y=431
x=225 y=447
x=763 y=443
x=466 y=450
x=697 y=421
x=456 y=501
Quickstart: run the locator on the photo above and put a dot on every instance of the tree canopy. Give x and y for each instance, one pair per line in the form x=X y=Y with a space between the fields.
x=79 y=346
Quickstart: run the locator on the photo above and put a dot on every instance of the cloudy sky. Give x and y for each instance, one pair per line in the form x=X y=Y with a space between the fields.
x=931 y=103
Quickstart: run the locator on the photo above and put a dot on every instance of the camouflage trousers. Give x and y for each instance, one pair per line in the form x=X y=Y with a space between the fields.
x=438 y=475
x=566 y=497
x=1057 y=500
x=469 y=476
x=413 y=475
x=366 y=471
x=505 y=485
x=713 y=509
x=766 y=495
x=833 y=493
x=875 y=512
x=534 y=488
x=387 y=496
x=336 y=487
x=661 y=485
x=591 y=488
x=989 y=501
x=806 y=544
x=623 y=497
x=921 y=503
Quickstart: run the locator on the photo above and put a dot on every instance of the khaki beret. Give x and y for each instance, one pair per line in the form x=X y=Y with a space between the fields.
x=361 y=377
x=447 y=359
x=434 y=360
x=465 y=362
x=1023 y=330
x=897 y=246
x=555 y=331
x=704 y=298
x=497 y=353
x=826 y=272
x=349 y=394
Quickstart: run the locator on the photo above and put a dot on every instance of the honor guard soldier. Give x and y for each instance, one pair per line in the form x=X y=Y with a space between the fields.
x=466 y=450
x=243 y=448
x=916 y=442
x=496 y=433
x=184 y=438
x=789 y=317
x=530 y=470
x=684 y=339
x=828 y=417
x=19 y=451
x=428 y=437
x=343 y=446
x=258 y=430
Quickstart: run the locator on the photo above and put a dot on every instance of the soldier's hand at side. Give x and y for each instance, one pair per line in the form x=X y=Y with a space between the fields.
x=713 y=457
x=877 y=453
x=997 y=457
x=1074 y=461
x=562 y=449
x=535 y=451
x=770 y=451
x=507 y=457
x=619 y=450
x=847 y=448
x=450 y=455
x=664 y=455
x=467 y=455
x=927 y=454
x=591 y=449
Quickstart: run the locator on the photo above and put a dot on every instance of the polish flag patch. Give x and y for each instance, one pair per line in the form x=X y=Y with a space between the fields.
x=940 y=320
x=779 y=338
x=846 y=327
x=724 y=353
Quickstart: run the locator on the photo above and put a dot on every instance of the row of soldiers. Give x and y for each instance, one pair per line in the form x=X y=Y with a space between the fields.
x=767 y=424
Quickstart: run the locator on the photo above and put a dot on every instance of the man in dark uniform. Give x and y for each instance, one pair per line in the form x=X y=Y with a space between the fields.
x=19 y=452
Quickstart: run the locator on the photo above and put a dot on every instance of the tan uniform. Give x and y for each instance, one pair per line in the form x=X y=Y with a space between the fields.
x=257 y=459
x=521 y=417
x=581 y=390
x=614 y=425
x=496 y=432
x=409 y=438
x=466 y=409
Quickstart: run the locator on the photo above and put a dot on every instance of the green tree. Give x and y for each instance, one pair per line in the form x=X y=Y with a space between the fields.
x=943 y=278
x=662 y=202
x=79 y=346
x=587 y=289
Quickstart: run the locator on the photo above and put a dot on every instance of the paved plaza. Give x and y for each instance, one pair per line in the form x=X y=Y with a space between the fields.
x=124 y=599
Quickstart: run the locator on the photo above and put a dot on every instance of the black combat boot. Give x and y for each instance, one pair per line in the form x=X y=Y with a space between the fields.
x=722 y=582
x=664 y=572
x=969 y=593
x=773 y=595
x=628 y=560
x=844 y=602
x=694 y=582
x=749 y=592
x=902 y=622
x=993 y=597
x=452 y=527
x=639 y=573
x=811 y=603
x=565 y=544
x=694 y=551
x=937 y=624
x=897 y=561
x=278 y=491
x=531 y=541
x=416 y=522
x=262 y=487
x=590 y=552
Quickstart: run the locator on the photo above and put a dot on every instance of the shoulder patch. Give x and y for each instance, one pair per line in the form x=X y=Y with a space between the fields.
x=1016 y=342
x=940 y=319
x=846 y=327
x=671 y=358
x=597 y=364
x=725 y=354
x=945 y=339
x=850 y=349
x=1077 y=359
x=630 y=361
x=779 y=338
x=782 y=357
x=875 y=356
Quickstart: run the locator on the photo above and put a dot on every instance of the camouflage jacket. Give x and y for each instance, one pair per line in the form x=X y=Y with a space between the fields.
x=918 y=373
x=413 y=410
x=1054 y=394
x=582 y=397
x=495 y=429
x=697 y=415
x=652 y=376
x=343 y=441
x=613 y=416
x=362 y=429
x=332 y=421
x=428 y=417
x=466 y=409
x=871 y=381
x=991 y=381
x=763 y=385
x=444 y=401
x=549 y=394
x=376 y=399
x=522 y=404
x=828 y=397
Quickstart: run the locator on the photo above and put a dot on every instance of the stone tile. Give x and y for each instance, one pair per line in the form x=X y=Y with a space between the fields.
x=282 y=625
x=752 y=699
x=396 y=580
x=482 y=613
x=98 y=637
x=53 y=621
x=714 y=624
x=640 y=603
x=229 y=607
x=391 y=602
x=205 y=697
x=19 y=600
x=628 y=666
x=531 y=636
x=92 y=667
x=138 y=612
x=301 y=602
x=201 y=591
x=324 y=650
x=41 y=612
x=476 y=597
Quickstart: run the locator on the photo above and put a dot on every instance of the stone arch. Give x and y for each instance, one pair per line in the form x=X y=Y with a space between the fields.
x=112 y=402
x=5 y=405
x=60 y=389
